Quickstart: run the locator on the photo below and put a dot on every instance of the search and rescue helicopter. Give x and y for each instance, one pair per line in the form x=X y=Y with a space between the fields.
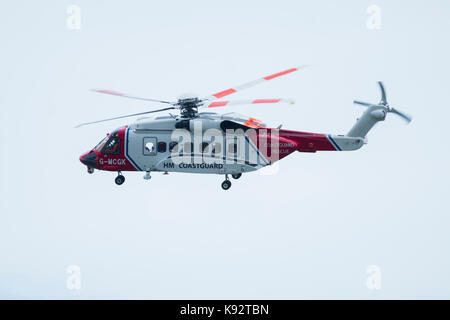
x=212 y=143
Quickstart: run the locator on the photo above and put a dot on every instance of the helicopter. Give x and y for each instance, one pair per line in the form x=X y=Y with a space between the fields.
x=196 y=140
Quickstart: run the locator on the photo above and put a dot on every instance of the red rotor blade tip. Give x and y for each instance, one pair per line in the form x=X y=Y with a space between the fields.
x=266 y=100
x=110 y=92
x=250 y=84
x=224 y=93
x=279 y=74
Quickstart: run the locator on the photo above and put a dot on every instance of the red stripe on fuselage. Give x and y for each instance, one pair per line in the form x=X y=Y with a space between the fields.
x=309 y=142
x=288 y=142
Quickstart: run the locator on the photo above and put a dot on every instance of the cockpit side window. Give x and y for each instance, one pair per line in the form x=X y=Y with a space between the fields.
x=112 y=146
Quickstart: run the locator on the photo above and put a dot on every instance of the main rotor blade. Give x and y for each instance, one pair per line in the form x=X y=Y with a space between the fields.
x=129 y=115
x=363 y=103
x=119 y=94
x=250 y=84
x=404 y=116
x=383 y=93
x=215 y=104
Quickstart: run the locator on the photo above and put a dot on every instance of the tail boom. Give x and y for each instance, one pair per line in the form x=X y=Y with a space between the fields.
x=312 y=142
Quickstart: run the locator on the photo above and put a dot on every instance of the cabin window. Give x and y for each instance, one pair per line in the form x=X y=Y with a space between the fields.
x=150 y=146
x=188 y=147
x=232 y=148
x=112 y=146
x=173 y=145
x=216 y=147
x=162 y=146
x=204 y=146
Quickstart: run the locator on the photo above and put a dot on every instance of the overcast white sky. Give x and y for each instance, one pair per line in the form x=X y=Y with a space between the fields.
x=309 y=231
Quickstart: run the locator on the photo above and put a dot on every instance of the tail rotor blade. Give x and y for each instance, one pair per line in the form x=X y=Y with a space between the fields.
x=383 y=93
x=126 y=116
x=404 y=116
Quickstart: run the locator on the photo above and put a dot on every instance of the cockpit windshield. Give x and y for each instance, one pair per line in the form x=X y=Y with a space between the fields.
x=100 y=145
x=112 y=146
x=109 y=145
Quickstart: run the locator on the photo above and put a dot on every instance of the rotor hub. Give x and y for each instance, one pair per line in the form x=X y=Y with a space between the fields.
x=189 y=104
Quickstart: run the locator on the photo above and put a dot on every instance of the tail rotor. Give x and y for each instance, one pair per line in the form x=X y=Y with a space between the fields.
x=384 y=105
x=374 y=114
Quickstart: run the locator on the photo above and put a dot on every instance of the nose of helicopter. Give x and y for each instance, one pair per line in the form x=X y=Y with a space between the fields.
x=89 y=159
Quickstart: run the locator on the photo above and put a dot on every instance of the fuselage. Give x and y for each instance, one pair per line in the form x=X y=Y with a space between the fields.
x=210 y=143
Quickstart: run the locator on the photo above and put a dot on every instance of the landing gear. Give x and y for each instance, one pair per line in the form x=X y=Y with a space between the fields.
x=236 y=175
x=226 y=184
x=90 y=170
x=120 y=179
x=147 y=175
